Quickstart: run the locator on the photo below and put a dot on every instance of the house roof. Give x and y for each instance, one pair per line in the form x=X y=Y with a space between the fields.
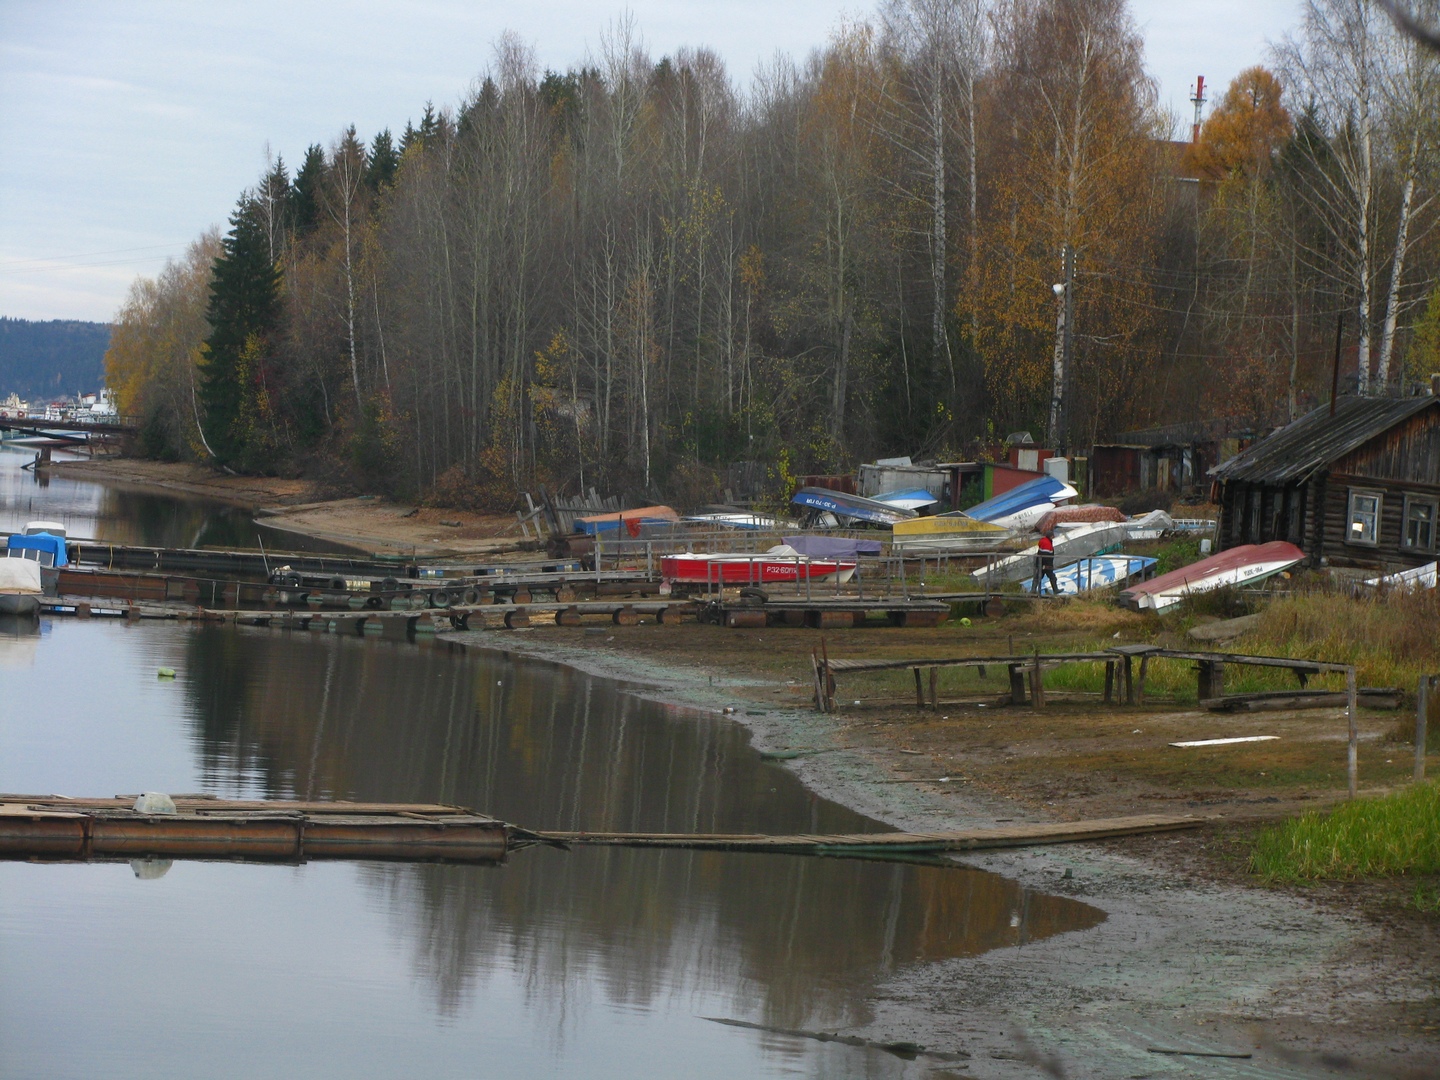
x=1297 y=450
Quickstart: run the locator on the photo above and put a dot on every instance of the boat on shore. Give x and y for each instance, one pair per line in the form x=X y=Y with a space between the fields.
x=1021 y=507
x=854 y=507
x=595 y=524
x=1094 y=572
x=1075 y=542
x=1247 y=564
x=780 y=564
x=956 y=531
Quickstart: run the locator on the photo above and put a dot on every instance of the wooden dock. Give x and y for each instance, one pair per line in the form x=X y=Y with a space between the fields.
x=824 y=613
x=50 y=827
x=1027 y=672
x=896 y=843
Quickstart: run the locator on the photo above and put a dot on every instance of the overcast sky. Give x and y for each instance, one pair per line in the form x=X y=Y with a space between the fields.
x=129 y=128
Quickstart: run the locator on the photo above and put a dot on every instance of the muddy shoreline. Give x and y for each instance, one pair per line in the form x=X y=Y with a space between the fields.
x=1190 y=957
x=364 y=524
x=1185 y=960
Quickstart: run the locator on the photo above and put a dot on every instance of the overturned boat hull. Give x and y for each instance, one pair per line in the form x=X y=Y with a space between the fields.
x=1096 y=572
x=1248 y=564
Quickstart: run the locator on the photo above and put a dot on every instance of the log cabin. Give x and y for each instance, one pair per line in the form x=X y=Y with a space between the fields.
x=1359 y=488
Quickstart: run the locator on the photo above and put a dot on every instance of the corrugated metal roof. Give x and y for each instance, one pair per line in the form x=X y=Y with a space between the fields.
x=1317 y=438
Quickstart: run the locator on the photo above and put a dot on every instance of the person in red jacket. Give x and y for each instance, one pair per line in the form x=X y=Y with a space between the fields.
x=1045 y=563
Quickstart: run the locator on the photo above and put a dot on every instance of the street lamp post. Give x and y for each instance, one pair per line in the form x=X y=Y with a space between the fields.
x=1064 y=317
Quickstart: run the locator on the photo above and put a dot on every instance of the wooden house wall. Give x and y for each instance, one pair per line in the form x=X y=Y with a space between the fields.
x=1315 y=515
x=1387 y=554
x=1408 y=453
x=1402 y=461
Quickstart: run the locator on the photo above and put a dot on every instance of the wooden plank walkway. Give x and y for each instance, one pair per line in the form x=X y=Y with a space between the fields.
x=1004 y=836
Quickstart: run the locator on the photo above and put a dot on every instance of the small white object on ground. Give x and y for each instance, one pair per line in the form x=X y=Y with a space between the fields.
x=1224 y=742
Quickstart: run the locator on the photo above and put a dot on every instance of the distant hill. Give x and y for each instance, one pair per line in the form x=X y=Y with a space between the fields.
x=43 y=360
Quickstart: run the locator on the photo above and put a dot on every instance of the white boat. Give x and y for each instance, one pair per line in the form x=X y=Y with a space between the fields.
x=1244 y=565
x=31 y=567
x=1071 y=543
x=1094 y=572
x=20 y=587
x=1421 y=577
x=1149 y=526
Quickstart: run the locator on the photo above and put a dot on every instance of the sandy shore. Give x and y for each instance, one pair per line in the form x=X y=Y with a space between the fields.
x=1190 y=956
x=368 y=524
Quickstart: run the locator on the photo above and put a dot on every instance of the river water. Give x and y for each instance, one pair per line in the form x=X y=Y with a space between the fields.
x=590 y=963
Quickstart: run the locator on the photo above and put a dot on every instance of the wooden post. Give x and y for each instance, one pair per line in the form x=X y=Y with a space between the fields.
x=1109 y=680
x=1211 y=680
x=934 y=689
x=1140 y=687
x=1037 y=684
x=1352 y=757
x=1422 y=704
x=829 y=682
x=919 y=691
x=1129 y=679
x=1017 y=685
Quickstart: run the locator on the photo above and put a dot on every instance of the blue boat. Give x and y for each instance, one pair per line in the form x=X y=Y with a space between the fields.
x=1043 y=492
x=44 y=548
x=1094 y=572
x=856 y=507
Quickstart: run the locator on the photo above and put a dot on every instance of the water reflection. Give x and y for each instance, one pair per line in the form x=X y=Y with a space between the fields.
x=106 y=513
x=125 y=515
x=792 y=941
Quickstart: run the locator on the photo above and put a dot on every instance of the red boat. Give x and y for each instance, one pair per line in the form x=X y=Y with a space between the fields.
x=779 y=564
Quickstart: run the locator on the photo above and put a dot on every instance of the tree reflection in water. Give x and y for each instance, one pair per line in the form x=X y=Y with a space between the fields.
x=794 y=941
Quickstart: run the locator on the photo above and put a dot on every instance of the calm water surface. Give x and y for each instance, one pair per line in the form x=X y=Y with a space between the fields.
x=590 y=963
x=125 y=516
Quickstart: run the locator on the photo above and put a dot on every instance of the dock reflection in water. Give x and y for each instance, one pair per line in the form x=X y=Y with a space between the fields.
x=590 y=941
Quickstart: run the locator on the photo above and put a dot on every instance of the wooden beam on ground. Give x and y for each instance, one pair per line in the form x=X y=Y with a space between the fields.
x=860 y=844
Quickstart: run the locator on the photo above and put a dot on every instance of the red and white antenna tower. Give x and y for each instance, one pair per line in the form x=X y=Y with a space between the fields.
x=1198 y=97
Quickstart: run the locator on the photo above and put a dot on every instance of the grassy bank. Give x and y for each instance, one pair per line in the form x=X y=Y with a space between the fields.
x=1391 y=639
x=1396 y=834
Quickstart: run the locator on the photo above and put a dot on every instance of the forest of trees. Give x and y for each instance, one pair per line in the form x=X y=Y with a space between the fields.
x=57 y=358
x=631 y=274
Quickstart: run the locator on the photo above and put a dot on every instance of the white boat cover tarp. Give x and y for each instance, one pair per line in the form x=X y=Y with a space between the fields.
x=19 y=575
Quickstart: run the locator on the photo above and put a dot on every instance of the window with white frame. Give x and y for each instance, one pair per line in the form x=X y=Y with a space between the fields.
x=1363 y=521
x=1418 y=533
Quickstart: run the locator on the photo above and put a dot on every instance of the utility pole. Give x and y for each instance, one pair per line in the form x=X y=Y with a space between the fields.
x=1064 y=347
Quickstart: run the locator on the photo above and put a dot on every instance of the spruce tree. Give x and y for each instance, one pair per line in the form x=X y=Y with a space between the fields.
x=305 y=193
x=243 y=313
x=384 y=162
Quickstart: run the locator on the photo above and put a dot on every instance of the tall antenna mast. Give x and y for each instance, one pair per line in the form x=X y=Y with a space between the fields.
x=1198 y=97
